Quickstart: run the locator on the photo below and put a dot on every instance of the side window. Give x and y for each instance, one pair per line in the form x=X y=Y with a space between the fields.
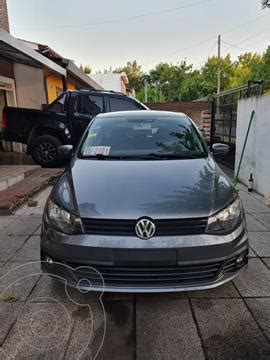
x=120 y=104
x=59 y=105
x=90 y=104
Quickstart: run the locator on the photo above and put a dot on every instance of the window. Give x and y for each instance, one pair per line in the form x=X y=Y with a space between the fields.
x=59 y=105
x=120 y=104
x=90 y=104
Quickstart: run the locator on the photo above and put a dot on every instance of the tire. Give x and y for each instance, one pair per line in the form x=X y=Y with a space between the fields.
x=44 y=151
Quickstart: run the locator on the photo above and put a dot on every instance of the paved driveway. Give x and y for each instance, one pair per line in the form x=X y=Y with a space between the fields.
x=230 y=322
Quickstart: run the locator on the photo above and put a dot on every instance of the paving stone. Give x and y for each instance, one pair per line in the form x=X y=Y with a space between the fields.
x=49 y=287
x=87 y=333
x=260 y=310
x=253 y=224
x=255 y=281
x=254 y=206
x=30 y=251
x=38 y=231
x=245 y=196
x=5 y=221
x=9 y=245
x=24 y=226
x=224 y=291
x=260 y=242
x=18 y=279
x=119 y=341
x=229 y=331
x=264 y=219
x=41 y=331
x=267 y=262
x=166 y=330
x=251 y=252
x=8 y=314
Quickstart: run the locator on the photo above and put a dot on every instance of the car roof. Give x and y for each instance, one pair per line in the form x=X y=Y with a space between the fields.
x=141 y=113
x=110 y=92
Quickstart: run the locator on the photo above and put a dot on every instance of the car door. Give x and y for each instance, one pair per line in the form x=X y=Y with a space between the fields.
x=86 y=107
x=123 y=103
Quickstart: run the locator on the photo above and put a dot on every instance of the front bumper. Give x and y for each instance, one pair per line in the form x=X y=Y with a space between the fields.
x=128 y=264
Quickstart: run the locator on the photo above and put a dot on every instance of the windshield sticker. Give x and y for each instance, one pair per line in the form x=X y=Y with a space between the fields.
x=142 y=126
x=97 y=150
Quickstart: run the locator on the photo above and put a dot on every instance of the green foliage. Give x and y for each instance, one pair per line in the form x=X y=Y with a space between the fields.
x=170 y=77
x=9 y=298
x=86 y=69
x=154 y=94
x=210 y=72
x=195 y=87
x=170 y=82
x=245 y=69
x=134 y=74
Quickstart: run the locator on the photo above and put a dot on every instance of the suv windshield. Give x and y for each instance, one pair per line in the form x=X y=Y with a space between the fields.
x=142 y=137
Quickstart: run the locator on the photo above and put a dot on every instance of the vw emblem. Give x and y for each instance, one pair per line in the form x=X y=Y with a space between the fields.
x=145 y=229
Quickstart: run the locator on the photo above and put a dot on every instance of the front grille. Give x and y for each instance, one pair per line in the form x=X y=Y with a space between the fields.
x=150 y=276
x=164 y=227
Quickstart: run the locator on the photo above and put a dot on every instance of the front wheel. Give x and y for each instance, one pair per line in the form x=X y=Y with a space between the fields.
x=44 y=151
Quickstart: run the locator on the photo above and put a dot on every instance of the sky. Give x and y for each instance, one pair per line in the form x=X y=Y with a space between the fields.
x=104 y=34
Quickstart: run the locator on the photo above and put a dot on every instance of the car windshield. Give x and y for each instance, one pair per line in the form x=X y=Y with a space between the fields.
x=146 y=137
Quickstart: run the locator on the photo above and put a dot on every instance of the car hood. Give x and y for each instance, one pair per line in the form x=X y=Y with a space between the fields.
x=112 y=189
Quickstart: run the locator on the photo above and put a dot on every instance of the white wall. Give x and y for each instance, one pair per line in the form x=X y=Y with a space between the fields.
x=256 y=158
x=108 y=81
x=30 y=87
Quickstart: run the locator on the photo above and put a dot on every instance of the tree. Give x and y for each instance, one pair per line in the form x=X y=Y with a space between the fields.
x=261 y=71
x=86 y=69
x=134 y=74
x=210 y=71
x=169 y=77
x=195 y=86
x=245 y=68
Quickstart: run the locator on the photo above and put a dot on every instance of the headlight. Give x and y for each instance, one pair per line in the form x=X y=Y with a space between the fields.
x=226 y=220
x=62 y=220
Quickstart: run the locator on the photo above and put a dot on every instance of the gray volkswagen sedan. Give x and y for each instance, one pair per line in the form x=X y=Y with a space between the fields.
x=143 y=207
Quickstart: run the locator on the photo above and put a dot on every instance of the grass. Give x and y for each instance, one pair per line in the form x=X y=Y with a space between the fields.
x=9 y=298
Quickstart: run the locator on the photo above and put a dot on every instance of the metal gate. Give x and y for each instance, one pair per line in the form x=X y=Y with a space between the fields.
x=224 y=116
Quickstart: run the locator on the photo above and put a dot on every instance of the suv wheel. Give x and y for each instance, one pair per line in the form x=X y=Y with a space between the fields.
x=45 y=151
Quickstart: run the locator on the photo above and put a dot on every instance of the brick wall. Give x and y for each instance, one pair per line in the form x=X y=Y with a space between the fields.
x=198 y=111
x=4 y=23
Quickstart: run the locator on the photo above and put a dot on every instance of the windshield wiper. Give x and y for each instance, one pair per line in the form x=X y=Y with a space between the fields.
x=113 y=157
x=176 y=156
x=150 y=156
x=102 y=157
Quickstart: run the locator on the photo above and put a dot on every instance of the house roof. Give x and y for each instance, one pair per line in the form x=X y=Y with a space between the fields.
x=66 y=63
x=15 y=50
x=38 y=55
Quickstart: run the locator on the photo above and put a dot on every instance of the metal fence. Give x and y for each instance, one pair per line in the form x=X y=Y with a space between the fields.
x=224 y=116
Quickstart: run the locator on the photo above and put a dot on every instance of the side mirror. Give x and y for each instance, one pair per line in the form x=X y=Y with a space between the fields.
x=220 y=150
x=65 y=151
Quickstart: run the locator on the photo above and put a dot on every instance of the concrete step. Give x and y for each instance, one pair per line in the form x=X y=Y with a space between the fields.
x=17 y=194
x=12 y=174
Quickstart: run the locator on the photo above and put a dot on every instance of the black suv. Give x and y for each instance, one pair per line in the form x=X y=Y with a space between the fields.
x=62 y=122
